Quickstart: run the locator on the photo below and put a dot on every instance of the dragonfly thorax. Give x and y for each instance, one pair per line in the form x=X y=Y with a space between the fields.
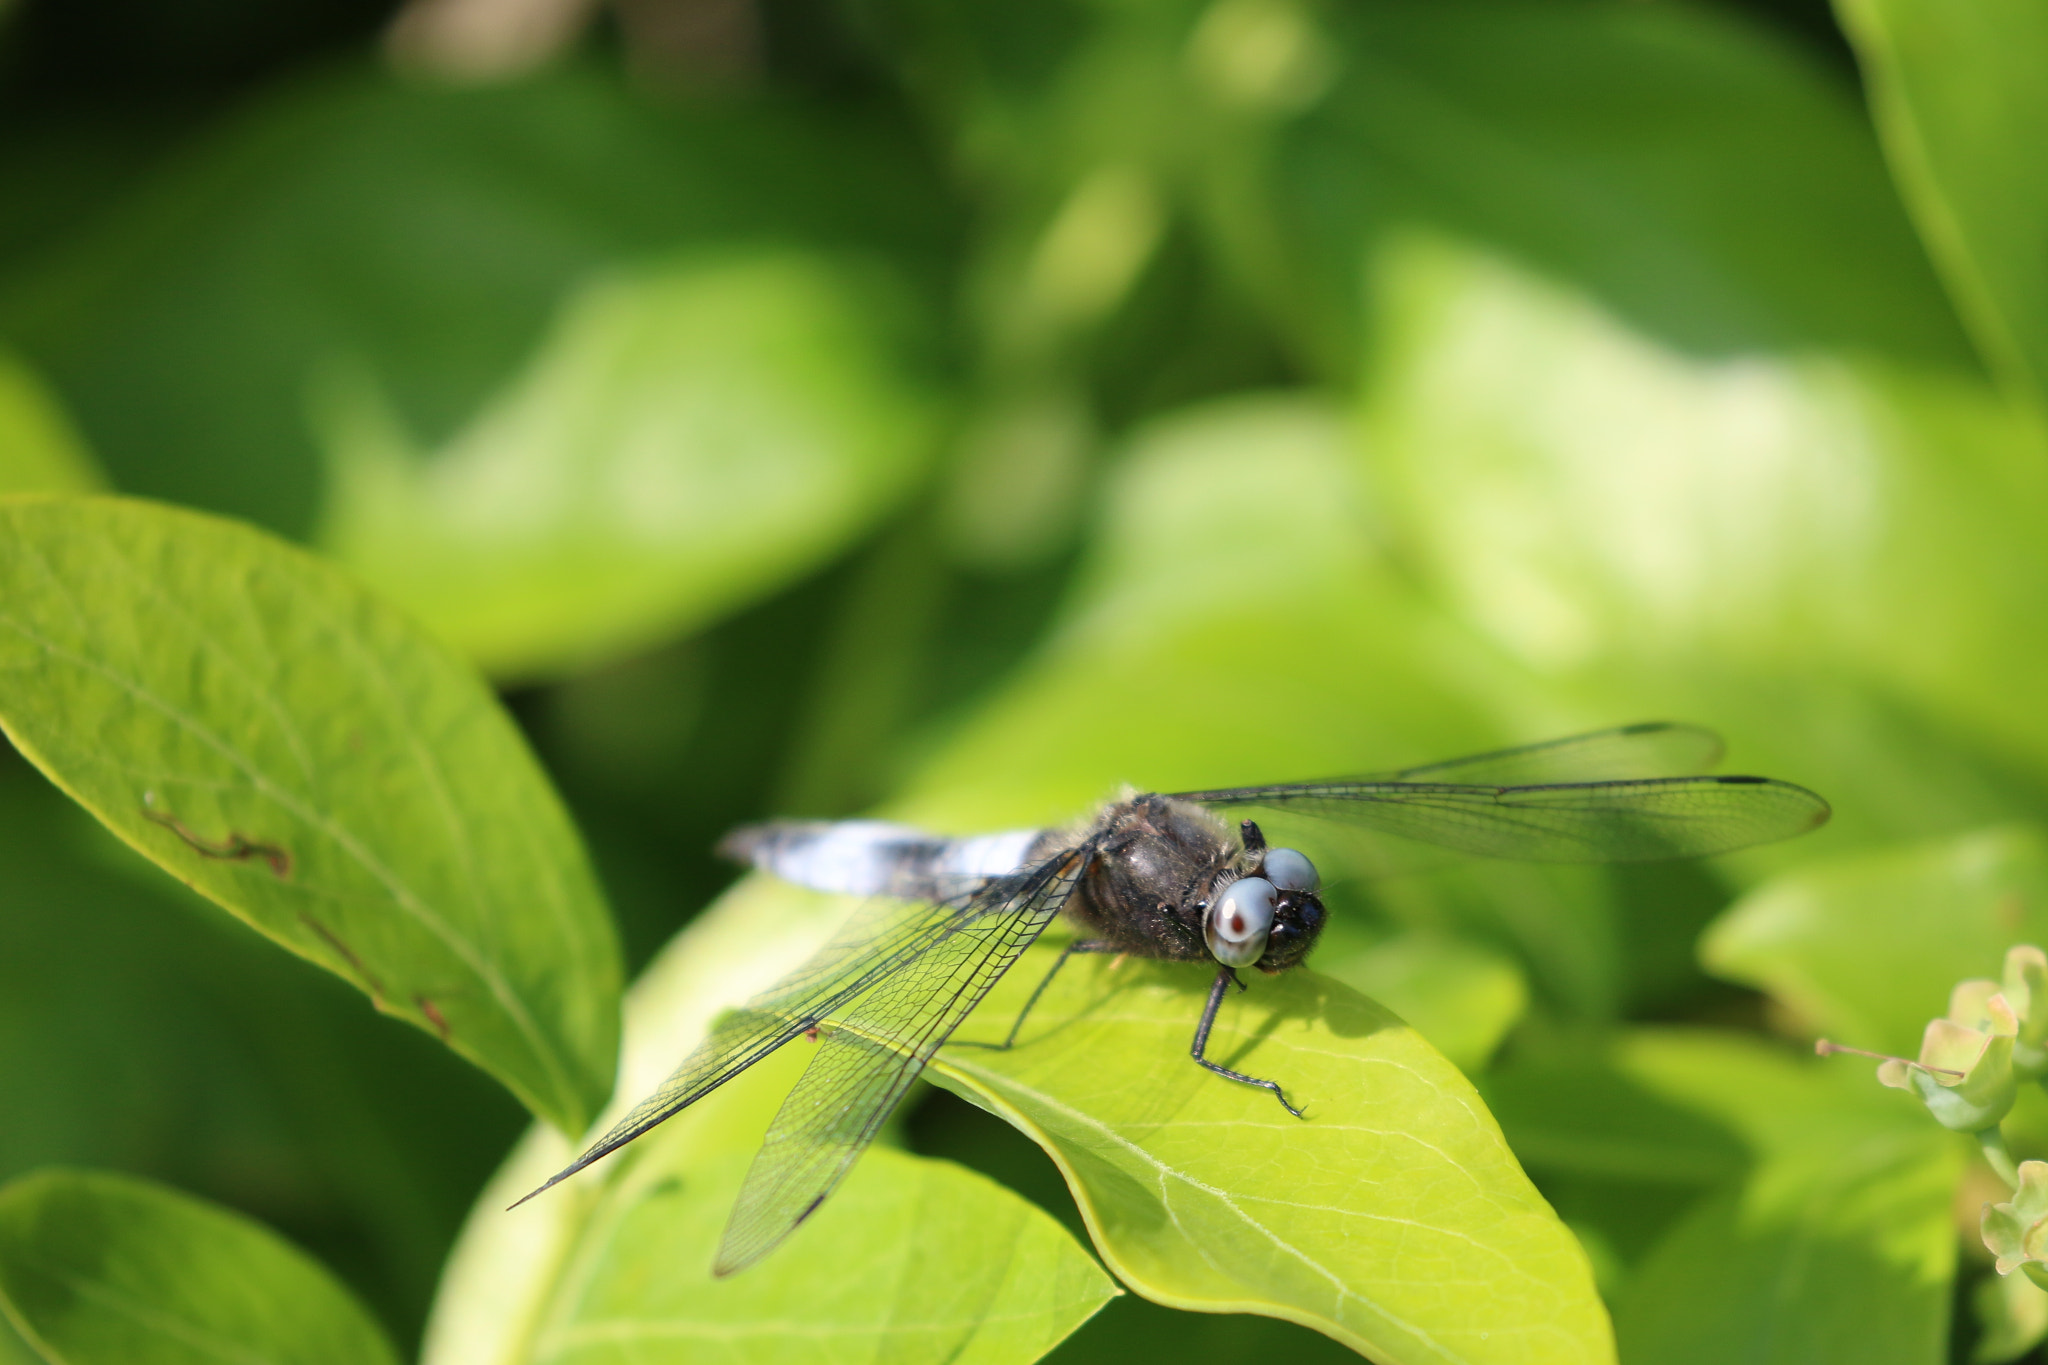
x=1161 y=885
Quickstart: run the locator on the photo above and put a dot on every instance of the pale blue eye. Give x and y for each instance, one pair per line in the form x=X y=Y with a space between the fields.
x=1239 y=921
x=1289 y=870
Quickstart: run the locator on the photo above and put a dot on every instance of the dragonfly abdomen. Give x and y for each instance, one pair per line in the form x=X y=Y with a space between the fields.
x=878 y=857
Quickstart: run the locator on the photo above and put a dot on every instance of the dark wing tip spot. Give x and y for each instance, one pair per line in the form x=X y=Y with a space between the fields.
x=1743 y=780
x=1648 y=727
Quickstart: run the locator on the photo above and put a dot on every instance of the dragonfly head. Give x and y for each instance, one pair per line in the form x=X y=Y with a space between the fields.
x=1268 y=920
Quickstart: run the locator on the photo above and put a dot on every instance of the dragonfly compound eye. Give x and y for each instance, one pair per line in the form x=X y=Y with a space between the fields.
x=1289 y=870
x=1239 y=921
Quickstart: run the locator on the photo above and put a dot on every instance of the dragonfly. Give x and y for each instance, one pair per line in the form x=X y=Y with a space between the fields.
x=1165 y=876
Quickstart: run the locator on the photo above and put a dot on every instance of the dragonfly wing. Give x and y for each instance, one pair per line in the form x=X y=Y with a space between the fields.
x=1574 y=822
x=882 y=939
x=874 y=1048
x=1653 y=749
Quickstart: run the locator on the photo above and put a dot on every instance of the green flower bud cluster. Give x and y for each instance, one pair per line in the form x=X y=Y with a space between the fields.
x=2017 y=1233
x=1972 y=1063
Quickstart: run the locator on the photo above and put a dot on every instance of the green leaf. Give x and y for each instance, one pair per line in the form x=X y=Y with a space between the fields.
x=1839 y=1246
x=142 y=1030
x=1570 y=1110
x=1866 y=949
x=1459 y=996
x=1393 y=1218
x=272 y=735
x=687 y=438
x=108 y=1268
x=1821 y=558
x=39 y=452
x=911 y=1259
x=1696 y=173
x=1959 y=99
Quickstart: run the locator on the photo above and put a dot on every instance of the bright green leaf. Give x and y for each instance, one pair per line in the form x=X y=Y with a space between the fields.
x=687 y=438
x=912 y=1259
x=272 y=735
x=1867 y=948
x=100 y=1269
x=1959 y=99
x=1393 y=1217
x=1839 y=1246
x=39 y=452
x=1816 y=556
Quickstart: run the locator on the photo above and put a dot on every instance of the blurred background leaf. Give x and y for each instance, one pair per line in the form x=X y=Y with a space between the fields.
x=1865 y=949
x=422 y=239
x=39 y=452
x=104 y=1268
x=1751 y=1206
x=685 y=438
x=1957 y=95
x=1838 y=1245
x=1697 y=175
x=1746 y=535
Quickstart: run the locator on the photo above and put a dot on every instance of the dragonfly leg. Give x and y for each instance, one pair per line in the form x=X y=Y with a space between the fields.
x=1077 y=946
x=1225 y=979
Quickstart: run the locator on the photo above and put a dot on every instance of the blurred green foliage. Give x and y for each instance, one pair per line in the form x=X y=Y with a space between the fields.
x=804 y=407
x=101 y=1267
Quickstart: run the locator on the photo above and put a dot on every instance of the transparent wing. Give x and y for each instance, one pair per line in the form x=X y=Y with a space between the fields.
x=871 y=1052
x=1652 y=749
x=885 y=938
x=1570 y=822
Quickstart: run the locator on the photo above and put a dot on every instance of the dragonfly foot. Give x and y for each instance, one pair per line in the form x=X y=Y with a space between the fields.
x=1243 y=1079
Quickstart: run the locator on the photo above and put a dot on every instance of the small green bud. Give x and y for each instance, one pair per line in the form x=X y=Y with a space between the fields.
x=1964 y=1075
x=2017 y=1233
x=2026 y=990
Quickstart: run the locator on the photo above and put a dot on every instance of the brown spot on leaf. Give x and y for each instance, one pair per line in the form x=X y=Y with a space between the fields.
x=236 y=848
x=434 y=1016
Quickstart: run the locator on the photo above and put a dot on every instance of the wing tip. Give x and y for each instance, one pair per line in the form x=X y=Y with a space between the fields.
x=589 y=1158
x=1819 y=811
x=541 y=1189
x=735 y=1256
